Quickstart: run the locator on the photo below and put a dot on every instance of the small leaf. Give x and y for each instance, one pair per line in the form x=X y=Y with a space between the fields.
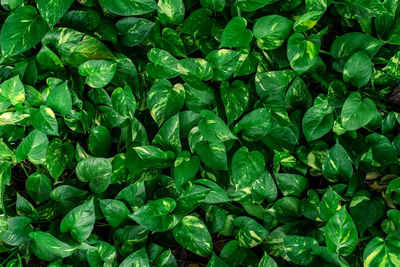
x=98 y=73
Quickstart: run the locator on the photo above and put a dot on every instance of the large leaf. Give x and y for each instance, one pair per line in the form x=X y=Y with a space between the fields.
x=341 y=233
x=22 y=30
x=128 y=7
x=384 y=252
x=193 y=235
x=165 y=100
x=79 y=221
x=271 y=31
x=156 y=215
x=235 y=33
x=47 y=247
x=96 y=171
x=52 y=11
x=357 y=112
x=302 y=52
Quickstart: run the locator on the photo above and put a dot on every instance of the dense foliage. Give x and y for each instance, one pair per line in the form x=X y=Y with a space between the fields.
x=212 y=132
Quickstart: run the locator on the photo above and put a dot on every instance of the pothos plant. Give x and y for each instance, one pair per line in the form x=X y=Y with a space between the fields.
x=212 y=133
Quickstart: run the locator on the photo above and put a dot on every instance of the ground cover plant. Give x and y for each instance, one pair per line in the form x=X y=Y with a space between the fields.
x=199 y=133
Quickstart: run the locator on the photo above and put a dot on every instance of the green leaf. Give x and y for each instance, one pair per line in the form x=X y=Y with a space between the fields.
x=38 y=187
x=58 y=155
x=254 y=125
x=168 y=137
x=13 y=90
x=96 y=171
x=250 y=233
x=224 y=62
x=156 y=215
x=215 y=5
x=337 y=164
x=271 y=86
x=128 y=7
x=291 y=184
x=213 y=128
x=235 y=98
x=271 y=31
x=185 y=168
x=341 y=233
x=383 y=151
x=267 y=261
x=47 y=247
x=137 y=258
x=358 y=206
x=384 y=252
x=358 y=69
x=79 y=221
x=247 y=167
x=316 y=123
x=171 y=11
x=348 y=44
x=391 y=224
x=100 y=141
x=330 y=203
x=357 y=112
x=44 y=120
x=17 y=232
x=133 y=30
x=165 y=259
x=193 y=235
x=165 y=100
x=299 y=248
x=52 y=11
x=163 y=65
x=253 y=5
x=302 y=52
x=34 y=147
x=307 y=21
x=235 y=33
x=114 y=211
x=21 y=31
x=98 y=73
x=141 y=158
x=134 y=195
x=59 y=99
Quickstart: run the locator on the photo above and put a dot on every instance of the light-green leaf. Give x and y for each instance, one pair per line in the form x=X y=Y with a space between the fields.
x=382 y=252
